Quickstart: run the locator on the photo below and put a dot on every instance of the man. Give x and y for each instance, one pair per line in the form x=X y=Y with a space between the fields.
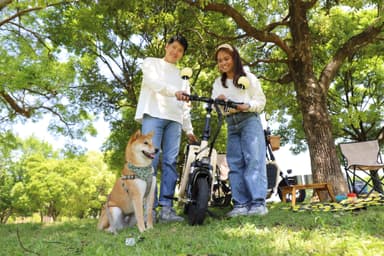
x=161 y=110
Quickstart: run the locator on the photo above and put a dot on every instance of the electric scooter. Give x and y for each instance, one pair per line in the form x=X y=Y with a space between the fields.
x=203 y=184
x=276 y=177
x=200 y=182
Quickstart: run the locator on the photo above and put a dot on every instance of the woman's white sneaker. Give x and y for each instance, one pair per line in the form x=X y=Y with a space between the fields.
x=257 y=210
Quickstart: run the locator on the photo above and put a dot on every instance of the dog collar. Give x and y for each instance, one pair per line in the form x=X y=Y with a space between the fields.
x=143 y=173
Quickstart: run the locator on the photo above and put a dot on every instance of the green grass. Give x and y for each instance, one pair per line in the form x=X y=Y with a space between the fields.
x=281 y=232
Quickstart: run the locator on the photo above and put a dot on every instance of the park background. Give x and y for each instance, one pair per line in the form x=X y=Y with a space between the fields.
x=70 y=63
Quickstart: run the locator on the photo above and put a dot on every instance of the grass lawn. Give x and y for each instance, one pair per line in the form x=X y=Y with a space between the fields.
x=281 y=232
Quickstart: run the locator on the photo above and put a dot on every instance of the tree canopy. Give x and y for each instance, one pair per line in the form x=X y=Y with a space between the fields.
x=37 y=179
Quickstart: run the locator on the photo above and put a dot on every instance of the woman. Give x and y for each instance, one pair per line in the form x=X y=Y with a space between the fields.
x=160 y=110
x=245 y=134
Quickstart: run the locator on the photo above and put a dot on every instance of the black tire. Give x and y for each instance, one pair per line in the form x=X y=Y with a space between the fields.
x=198 y=208
x=272 y=172
x=300 y=196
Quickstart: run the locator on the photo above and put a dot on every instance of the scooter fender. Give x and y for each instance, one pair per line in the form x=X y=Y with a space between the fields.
x=199 y=171
x=193 y=153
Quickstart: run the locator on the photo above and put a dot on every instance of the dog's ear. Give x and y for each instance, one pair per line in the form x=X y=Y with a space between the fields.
x=151 y=133
x=136 y=135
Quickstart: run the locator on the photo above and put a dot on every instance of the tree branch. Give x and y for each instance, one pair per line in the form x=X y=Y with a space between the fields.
x=227 y=38
x=272 y=60
x=22 y=111
x=272 y=26
x=284 y=79
x=261 y=35
x=349 y=48
x=62 y=120
x=309 y=4
x=26 y=11
x=36 y=35
x=4 y=3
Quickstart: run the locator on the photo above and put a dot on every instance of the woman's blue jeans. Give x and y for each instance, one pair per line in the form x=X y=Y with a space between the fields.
x=167 y=136
x=246 y=157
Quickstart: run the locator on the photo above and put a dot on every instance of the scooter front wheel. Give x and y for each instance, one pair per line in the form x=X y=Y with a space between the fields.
x=197 y=209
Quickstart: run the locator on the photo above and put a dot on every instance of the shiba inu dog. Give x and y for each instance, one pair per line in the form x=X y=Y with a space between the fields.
x=135 y=187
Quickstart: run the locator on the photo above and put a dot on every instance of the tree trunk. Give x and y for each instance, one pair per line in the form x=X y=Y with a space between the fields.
x=317 y=126
x=312 y=99
x=4 y=215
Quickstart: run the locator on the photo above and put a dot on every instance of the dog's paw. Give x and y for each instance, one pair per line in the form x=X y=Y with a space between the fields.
x=112 y=231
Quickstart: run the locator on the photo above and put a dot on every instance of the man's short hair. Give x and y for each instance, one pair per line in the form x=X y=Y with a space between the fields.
x=180 y=39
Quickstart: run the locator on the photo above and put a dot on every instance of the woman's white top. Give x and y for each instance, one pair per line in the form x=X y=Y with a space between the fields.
x=253 y=95
x=161 y=80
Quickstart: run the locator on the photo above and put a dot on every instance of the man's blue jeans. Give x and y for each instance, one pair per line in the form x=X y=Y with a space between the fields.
x=167 y=136
x=246 y=159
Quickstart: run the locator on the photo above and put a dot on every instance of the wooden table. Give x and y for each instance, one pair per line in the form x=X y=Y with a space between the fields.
x=317 y=187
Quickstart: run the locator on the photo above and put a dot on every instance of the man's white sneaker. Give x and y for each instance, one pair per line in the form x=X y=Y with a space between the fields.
x=257 y=210
x=238 y=211
x=168 y=214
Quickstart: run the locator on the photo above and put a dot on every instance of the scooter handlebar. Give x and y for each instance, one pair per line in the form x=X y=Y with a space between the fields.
x=225 y=103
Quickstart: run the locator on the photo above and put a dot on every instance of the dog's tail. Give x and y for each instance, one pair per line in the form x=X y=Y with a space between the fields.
x=101 y=224
x=105 y=216
x=108 y=213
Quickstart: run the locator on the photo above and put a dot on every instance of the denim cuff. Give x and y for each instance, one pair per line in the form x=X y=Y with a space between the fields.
x=240 y=205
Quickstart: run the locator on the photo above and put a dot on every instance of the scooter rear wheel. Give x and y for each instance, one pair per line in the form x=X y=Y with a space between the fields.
x=198 y=208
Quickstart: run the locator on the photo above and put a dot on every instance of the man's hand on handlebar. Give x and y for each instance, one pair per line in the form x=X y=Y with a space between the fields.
x=192 y=139
x=221 y=100
x=182 y=96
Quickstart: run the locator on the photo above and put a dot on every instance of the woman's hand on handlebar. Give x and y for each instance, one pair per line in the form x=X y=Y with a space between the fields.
x=236 y=105
x=182 y=96
x=221 y=97
x=243 y=107
x=192 y=139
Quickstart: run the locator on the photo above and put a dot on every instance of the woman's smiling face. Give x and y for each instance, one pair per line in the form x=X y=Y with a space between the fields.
x=225 y=63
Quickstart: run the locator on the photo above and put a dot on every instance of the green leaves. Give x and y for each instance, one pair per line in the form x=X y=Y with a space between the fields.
x=38 y=180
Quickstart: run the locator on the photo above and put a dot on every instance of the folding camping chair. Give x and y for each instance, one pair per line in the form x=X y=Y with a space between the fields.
x=362 y=164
